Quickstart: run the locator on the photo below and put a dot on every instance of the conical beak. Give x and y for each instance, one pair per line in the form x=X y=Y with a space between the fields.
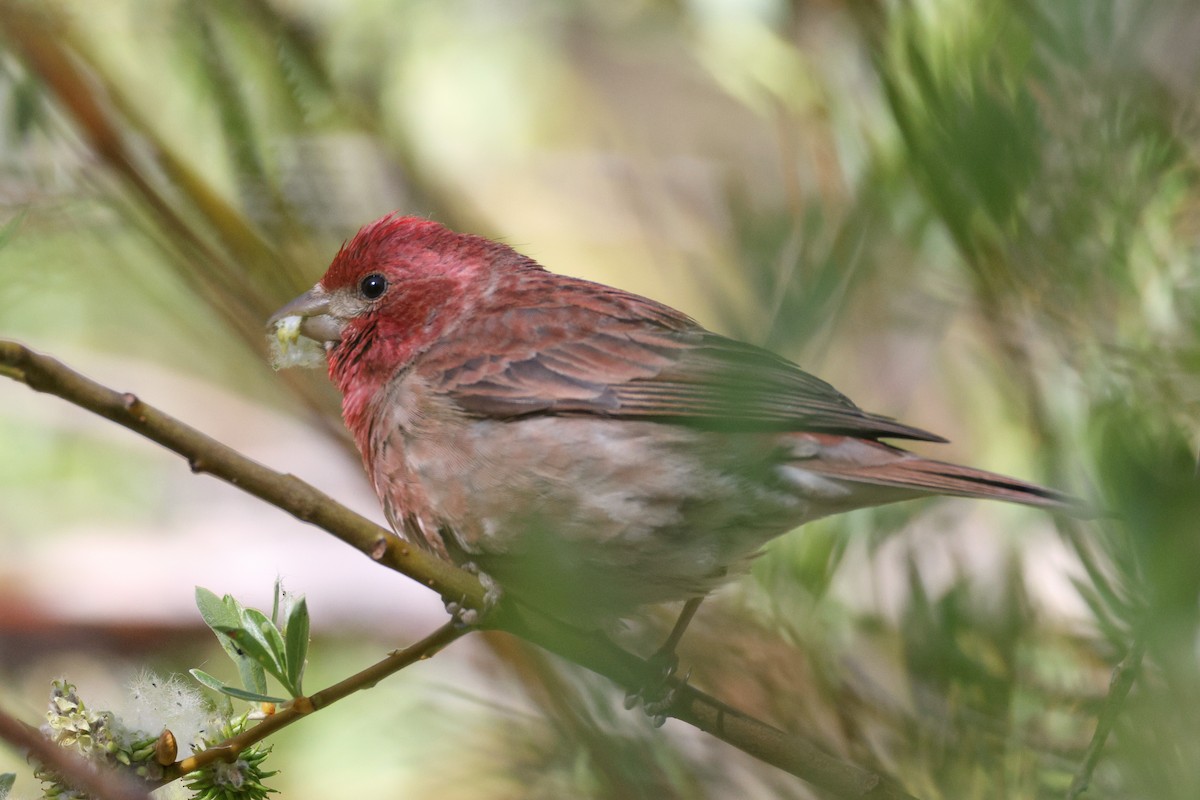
x=313 y=309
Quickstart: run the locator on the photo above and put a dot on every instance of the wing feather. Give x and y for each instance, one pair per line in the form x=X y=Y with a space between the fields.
x=614 y=354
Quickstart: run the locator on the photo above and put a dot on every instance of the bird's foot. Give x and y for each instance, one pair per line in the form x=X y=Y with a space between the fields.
x=470 y=616
x=659 y=693
x=660 y=690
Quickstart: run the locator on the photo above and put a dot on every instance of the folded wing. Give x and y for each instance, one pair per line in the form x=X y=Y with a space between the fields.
x=573 y=347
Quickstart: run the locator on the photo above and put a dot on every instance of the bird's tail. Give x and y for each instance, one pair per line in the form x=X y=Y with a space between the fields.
x=869 y=462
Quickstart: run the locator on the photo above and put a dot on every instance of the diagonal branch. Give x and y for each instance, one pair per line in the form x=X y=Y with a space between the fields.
x=303 y=706
x=204 y=454
x=97 y=782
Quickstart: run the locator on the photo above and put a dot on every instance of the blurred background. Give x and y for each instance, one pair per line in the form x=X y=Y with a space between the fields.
x=980 y=217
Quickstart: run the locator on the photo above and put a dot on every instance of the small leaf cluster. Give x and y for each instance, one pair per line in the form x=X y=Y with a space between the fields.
x=257 y=644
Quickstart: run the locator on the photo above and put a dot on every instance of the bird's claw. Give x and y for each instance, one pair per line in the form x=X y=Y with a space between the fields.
x=469 y=616
x=463 y=614
x=658 y=708
x=492 y=593
x=659 y=694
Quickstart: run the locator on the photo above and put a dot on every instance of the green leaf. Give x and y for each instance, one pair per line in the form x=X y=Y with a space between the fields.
x=6 y=783
x=224 y=616
x=267 y=633
x=266 y=636
x=253 y=697
x=207 y=680
x=233 y=691
x=296 y=634
x=275 y=603
x=250 y=643
x=216 y=611
x=254 y=677
x=249 y=666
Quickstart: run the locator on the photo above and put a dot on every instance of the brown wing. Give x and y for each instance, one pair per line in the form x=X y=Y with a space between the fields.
x=573 y=347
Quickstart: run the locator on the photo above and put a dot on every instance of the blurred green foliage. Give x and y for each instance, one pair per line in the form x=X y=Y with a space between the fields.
x=981 y=216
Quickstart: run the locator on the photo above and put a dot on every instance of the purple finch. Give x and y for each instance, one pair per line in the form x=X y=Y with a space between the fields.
x=589 y=449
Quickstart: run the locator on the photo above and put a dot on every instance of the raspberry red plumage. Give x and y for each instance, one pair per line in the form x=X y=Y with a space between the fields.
x=590 y=448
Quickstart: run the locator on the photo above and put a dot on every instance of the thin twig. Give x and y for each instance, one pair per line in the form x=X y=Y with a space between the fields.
x=95 y=781
x=1118 y=688
x=586 y=648
x=302 y=707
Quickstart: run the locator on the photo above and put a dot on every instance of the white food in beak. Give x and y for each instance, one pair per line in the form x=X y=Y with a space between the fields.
x=289 y=349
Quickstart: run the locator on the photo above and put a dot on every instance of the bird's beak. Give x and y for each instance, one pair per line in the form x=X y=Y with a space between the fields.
x=316 y=322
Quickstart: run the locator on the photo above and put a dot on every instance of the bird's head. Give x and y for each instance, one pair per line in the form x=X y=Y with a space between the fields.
x=391 y=292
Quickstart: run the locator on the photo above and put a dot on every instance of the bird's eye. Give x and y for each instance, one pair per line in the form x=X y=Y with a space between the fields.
x=373 y=286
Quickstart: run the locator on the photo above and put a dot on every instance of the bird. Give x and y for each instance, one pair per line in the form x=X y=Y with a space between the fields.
x=590 y=450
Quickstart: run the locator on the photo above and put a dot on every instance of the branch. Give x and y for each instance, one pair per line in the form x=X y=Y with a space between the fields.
x=765 y=742
x=95 y=781
x=586 y=648
x=303 y=706
x=206 y=455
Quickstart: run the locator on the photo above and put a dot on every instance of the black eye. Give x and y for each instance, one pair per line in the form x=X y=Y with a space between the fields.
x=373 y=286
